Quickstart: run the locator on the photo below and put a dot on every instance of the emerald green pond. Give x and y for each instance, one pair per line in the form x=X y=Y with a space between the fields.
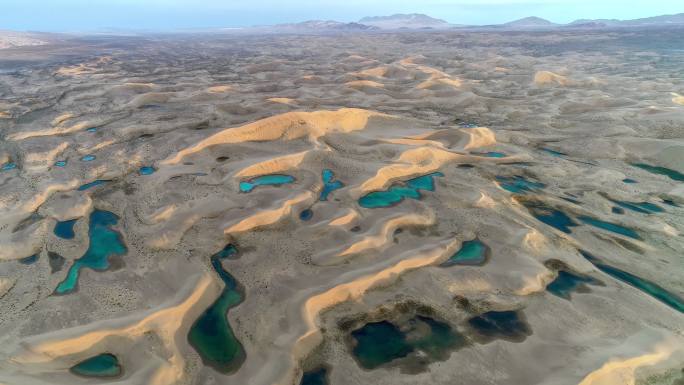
x=30 y=260
x=472 y=252
x=672 y=174
x=518 y=184
x=501 y=324
x=612 y=227
x=398 y=192
x=105 y=242
x=211 y=335
x=648 y=287
x=104 y=365
x=568 y=282
x=379 y=343
x=550 y=216
x=315 y=377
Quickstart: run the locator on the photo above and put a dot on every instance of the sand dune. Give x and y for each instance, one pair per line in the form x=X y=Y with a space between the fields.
x=677 y=99
x=288 y=126
x=549 y=78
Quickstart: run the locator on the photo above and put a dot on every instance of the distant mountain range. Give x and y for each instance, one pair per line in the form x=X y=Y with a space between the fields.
x=321 y=25
x=403 y=21
x=417 y=21
x=529 y=22
x=648 y=21
x=397 y=22
x=10 y=39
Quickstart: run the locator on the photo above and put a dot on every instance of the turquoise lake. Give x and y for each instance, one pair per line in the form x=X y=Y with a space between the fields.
x=105 y=242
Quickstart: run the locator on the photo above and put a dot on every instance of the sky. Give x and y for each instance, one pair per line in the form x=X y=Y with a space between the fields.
x=94 y=15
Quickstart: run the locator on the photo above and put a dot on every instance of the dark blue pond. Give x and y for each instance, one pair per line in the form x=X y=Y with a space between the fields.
x=615 y=228
x=518 y=184
x=550 y=216
x=65 y=229
x=9 y=166
x=508 y=325
x=315 y=377
x=30 y=260
x=472 y=253
x=648 y=287
x=567 y=282
x=92 y=129
x=92 y=184
x=670 y=202
x=398 y=192
x=629 y=181
x=211 y=335
x=61 y=163
x=88 y=158
x=265 y=180
x=104 y=365
x=306 y=214
x=146 y=170
x=672 y=174
x=329 y=185
x=640 y=207
x=56 y=261
x=105 y=242
x=379 y=343
x=617 y=210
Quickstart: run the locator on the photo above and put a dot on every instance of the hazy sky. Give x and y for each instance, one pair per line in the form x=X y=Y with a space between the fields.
x=81 y=15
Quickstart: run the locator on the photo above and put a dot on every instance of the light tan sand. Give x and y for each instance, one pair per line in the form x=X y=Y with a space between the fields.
x=549 y=78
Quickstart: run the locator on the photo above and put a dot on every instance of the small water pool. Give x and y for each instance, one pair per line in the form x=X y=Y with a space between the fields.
x=549 y=215
x=8 y=166
x=612 y=227
x=30 y=260
x=65 y=229
x=489 y=154
x=146 y=170
x=648 y=287
x=88 y=158
x=518 y=184
x=568 y=282
x=211 y=334
x=315 y=377
x=306 y=214
x=265 y=180
x=104 y=365
x=92 y=184
x=672 y=174
x=472 y=253
x=552 y=152
x=60 y=163
x=398 y=192
x=105 y=242
x=329 y=185
x=509 y=325
x=379 y=343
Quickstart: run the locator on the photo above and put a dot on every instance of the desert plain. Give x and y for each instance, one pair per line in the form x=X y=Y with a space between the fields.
x=311 y=190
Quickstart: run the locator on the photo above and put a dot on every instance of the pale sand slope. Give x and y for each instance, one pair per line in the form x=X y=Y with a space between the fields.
x=206 y=120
